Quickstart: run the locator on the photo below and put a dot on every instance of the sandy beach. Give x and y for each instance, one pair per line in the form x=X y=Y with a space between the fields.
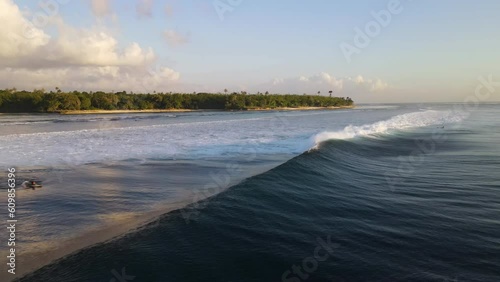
x=301 y=108
x=93 y=112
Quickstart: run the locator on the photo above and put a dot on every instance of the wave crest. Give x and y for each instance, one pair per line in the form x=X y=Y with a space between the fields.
x=404 y=121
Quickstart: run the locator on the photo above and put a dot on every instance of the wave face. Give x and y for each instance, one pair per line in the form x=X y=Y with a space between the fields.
x=407 y=206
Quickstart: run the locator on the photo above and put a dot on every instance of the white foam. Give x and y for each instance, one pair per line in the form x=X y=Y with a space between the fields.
x=404 y=121
x=195 y=137
x=178 y=140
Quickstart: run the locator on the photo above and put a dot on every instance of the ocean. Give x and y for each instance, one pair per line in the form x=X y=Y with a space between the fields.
x=399 y=192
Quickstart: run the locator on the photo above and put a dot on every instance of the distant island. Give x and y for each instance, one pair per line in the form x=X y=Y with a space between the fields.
x=76 y=102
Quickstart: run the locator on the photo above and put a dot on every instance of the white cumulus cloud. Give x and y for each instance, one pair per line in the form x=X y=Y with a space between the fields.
x=73 y=58
x=101 y=8
x=144 y=8
x=174 y=38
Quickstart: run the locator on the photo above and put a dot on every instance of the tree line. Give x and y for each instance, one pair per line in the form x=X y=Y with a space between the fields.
x=38 y=100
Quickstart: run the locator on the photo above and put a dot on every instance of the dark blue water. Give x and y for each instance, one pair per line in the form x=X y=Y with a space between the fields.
x=411 y=205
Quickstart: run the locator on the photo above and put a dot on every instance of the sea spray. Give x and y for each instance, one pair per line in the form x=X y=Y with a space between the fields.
x=404 y=121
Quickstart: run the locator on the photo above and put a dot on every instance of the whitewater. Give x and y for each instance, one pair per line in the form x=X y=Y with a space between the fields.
x=190 y=136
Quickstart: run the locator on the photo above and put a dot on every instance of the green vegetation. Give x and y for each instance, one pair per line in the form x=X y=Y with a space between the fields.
x=13 y=101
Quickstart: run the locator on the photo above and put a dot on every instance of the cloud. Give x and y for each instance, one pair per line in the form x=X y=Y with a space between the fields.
x=144 y=9
x=359 y=79
x=173 y=38
x=76 y=47
x=91 y=78
x=277 y=81
x=169 y=10
x=329 y=80
x=73 y=58
x=379 y=85
x=18 y=35
x=101 y=8
x=374 y=85
x=324 y=82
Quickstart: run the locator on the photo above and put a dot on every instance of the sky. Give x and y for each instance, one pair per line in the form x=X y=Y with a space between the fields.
x=370 y=50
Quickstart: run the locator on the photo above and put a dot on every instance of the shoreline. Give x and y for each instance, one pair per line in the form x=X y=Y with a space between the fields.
x=97 y=112
x=301 y=108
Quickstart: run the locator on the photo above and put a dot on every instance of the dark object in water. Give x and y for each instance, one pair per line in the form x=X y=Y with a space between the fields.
x=32 y=184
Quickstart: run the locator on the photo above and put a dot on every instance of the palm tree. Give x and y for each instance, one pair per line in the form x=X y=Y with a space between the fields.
x=319 y=93
x=330 y=93
x=225 y=91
